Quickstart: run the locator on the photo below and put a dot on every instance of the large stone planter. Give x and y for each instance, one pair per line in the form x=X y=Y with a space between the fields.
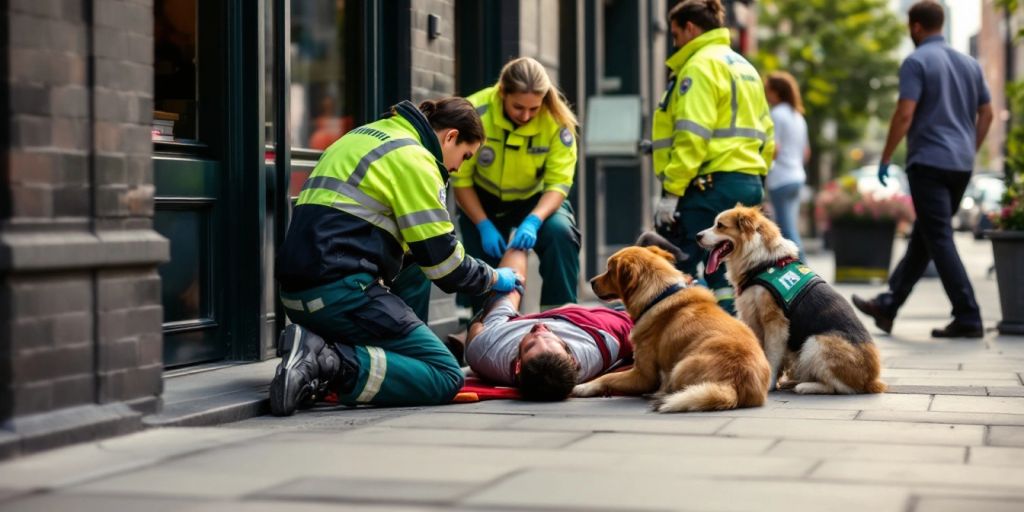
x=1008 y=249
x=863 y=250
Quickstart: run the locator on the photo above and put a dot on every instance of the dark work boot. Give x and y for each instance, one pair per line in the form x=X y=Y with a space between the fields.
x=308 y=367
x=958 y=330
x=878 y=308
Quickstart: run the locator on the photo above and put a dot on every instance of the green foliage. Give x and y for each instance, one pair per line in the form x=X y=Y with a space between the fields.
x=1012 y=214
x=841 y=53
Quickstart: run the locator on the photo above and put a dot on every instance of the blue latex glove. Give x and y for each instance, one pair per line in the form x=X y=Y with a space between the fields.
x=883 y=173
x=506 y=280
x=491 y=239
x=526 y=233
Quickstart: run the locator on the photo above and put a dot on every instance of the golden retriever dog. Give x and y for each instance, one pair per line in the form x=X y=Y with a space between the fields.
x=805 y=327
x=686 y=349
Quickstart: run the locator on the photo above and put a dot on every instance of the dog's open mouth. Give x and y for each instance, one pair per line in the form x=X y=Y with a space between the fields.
x=721 y=250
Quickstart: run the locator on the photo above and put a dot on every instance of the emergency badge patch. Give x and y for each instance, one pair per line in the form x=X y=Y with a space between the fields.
x=684 y=85
x=566 y=137
x=486 y=157
x=442 y=195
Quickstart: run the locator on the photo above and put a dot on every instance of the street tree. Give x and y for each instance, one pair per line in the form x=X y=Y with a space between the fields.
x=843 y=56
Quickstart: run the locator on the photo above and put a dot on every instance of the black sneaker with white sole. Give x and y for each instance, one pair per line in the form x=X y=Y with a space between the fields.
x=305 y=372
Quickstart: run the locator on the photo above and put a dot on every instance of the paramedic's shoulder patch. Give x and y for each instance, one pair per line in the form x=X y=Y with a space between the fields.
x=566 y=137
x=486 y=156
x=684 y=85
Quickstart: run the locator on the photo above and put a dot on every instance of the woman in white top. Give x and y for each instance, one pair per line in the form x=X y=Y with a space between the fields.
x=787 y=175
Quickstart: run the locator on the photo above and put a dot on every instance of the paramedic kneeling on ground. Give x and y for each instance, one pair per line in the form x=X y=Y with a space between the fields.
x=377 y=194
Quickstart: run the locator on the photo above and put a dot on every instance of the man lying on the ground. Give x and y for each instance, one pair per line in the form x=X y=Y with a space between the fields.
x=545 y=354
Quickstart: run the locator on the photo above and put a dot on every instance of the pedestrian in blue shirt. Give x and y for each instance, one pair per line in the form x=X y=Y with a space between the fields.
x=944 y=111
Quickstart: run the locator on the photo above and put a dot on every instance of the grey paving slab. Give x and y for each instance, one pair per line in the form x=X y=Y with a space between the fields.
x=950 y=381
x=719 y=465
x=853 y=450
x=612 y=490
x=460 y=420
x=918 y=364
x=889 y=373
x=96 y=503
x=864 y=431
x=950 y=475
x=613 y=406
x=182 y=483
x=83 y=462
x=988 y=404
x=331 y=419
x=1005 y=390
x=461 y=437
x=1001 y=365
x=881 y=402
x=298 y=506
x=666 y=444
x=996 y=456
x=773 y=410
x=363 y=490
x=673 y=424
x=915 y=389
x=286 y=458
x=960 y=418
x=962 y=504
x=1006 y=436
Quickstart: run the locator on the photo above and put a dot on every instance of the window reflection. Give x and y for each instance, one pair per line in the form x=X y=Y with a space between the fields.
x=324 y=62
x=174 y=69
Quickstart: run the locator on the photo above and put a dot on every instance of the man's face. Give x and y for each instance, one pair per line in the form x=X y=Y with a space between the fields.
x=540 y=340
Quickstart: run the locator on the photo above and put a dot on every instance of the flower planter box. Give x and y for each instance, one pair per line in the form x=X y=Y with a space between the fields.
x=863 y=250
x=1008 y=250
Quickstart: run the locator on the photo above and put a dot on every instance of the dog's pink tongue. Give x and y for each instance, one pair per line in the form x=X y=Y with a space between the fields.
x=714 y=259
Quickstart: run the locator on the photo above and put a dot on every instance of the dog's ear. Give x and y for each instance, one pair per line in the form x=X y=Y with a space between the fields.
x=745 y=222
x=662 y=252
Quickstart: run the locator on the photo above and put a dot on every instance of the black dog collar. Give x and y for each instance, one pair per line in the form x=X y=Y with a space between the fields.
x=664 y=295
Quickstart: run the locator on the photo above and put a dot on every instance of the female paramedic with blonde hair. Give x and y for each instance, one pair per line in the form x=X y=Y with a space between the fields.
x=521 y=177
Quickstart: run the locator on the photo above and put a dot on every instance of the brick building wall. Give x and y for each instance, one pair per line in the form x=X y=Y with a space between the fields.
x=433 y=60
x=80 y=313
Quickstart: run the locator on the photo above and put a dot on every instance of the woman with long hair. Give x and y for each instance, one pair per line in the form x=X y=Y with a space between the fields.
x=787 y=175
x=521 y=177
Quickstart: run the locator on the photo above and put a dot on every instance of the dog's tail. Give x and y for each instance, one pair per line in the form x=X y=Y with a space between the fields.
x=706 y=396
x=876 y=386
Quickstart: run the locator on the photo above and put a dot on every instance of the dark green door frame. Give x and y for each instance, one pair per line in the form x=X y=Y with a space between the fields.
x=247 y=187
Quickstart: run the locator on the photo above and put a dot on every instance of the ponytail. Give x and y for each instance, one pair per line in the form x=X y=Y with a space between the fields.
x=785 y=87
x=706 y=14
x=454 y=113
x=527 y=75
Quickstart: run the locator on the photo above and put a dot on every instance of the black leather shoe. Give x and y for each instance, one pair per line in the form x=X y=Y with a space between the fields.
x=883 y=320
x=304 y=373
x=955 y=330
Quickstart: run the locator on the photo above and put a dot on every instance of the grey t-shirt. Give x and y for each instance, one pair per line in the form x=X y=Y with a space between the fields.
x=492 y=352
x=948 y=87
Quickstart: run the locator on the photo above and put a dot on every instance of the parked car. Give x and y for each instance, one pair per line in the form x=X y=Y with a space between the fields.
x=980 y=199
x=867 y=180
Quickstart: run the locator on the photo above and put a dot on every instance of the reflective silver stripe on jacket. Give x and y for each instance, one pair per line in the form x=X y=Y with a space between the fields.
x=377 y=219
x=376 y=154
x=685 y=125
x=662 y=143
x=482 y=109
x=446 y=266
x=422 y=217
x=347 y=190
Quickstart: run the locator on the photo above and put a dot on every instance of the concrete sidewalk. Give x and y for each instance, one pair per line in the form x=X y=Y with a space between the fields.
x=948 y=436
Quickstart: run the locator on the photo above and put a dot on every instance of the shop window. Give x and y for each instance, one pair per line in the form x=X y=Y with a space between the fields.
x=324 y=86
x=175 y=98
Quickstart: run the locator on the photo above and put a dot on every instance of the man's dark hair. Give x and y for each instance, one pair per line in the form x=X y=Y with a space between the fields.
x=706 y=14
x=547 y=378
x=927 y=13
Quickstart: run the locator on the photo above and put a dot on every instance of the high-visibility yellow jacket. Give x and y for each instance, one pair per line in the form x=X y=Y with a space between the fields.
x=518 y=162
x=713 y=116
x=375 y=194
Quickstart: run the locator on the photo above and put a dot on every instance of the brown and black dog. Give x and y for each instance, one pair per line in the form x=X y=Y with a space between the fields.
x=686 y=349
x=803 y=324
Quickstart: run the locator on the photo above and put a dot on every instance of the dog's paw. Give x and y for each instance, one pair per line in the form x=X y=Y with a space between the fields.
x=587 y=389
x=813 y=388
